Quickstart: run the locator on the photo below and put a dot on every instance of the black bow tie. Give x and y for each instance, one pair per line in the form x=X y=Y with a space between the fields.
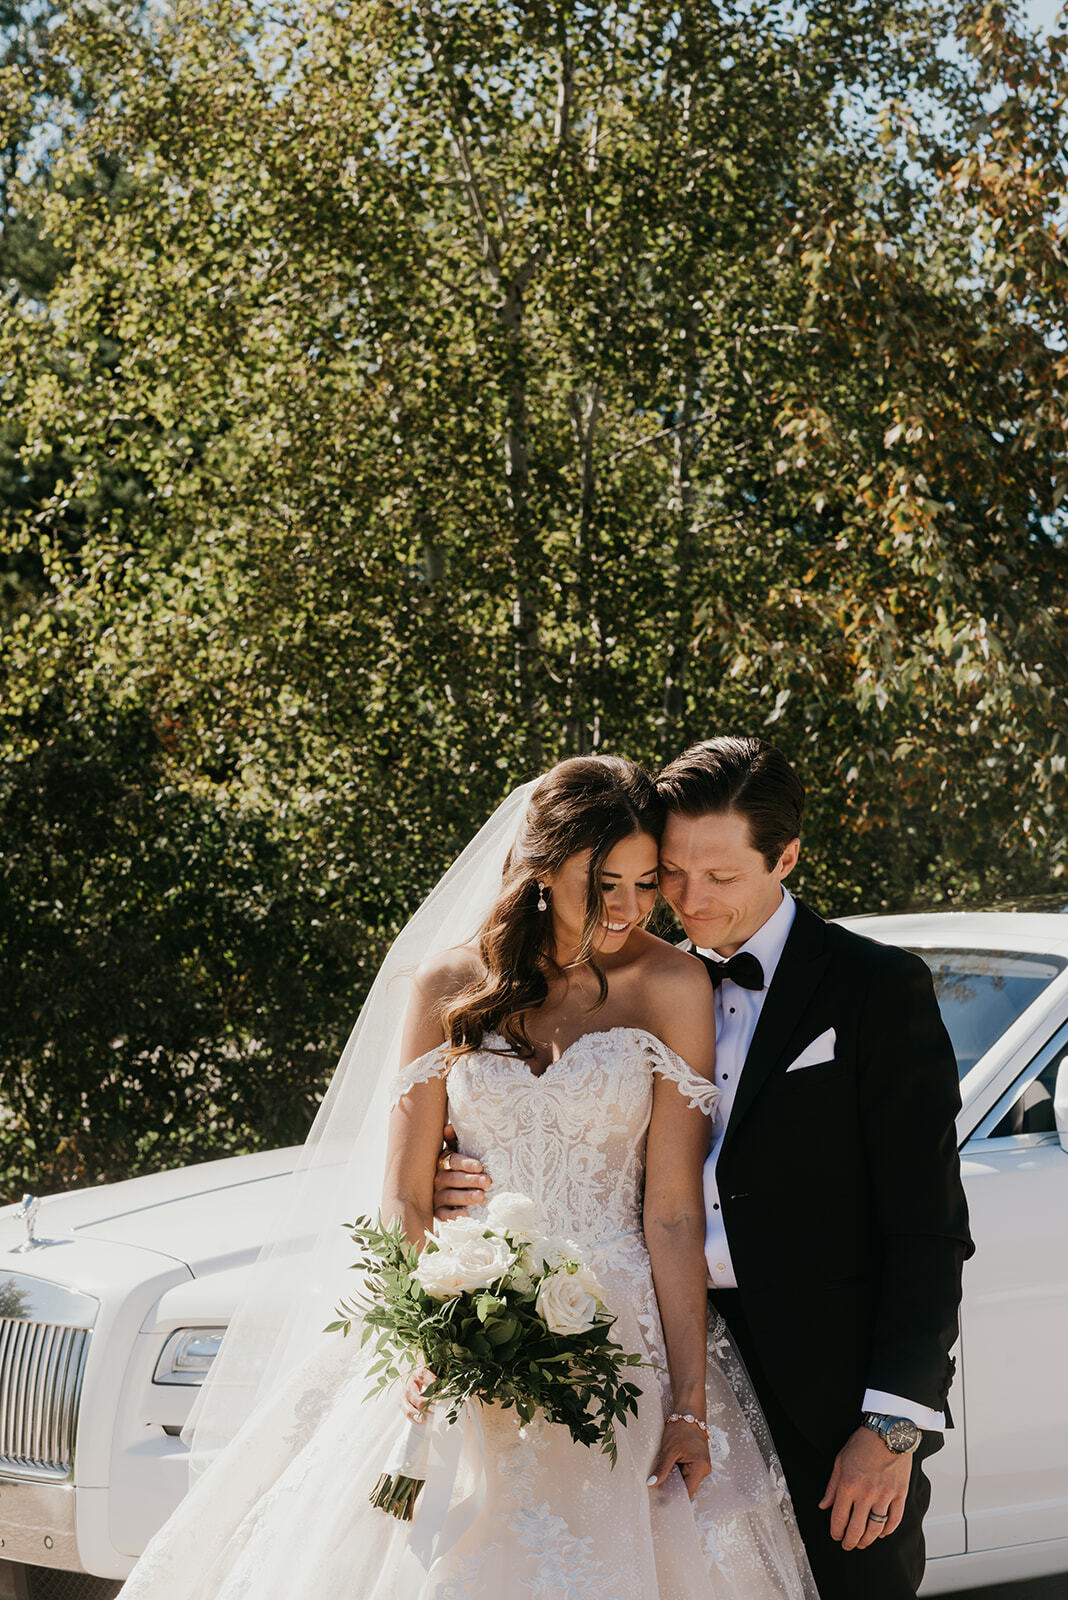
x=743 y=969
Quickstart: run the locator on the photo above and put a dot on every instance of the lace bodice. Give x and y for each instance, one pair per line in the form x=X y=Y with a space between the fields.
x=572 y=1139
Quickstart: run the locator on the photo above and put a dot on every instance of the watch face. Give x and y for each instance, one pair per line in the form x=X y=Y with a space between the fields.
x=902 y=1435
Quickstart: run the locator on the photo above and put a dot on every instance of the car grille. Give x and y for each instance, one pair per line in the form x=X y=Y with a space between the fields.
x=41 y=1369
x=49 y=1583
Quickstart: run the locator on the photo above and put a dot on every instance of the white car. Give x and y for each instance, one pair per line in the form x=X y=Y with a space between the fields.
x=113 y=1301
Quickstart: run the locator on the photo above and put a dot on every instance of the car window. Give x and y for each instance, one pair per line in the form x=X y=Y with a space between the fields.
x=982 y=992
x=1032 y=1109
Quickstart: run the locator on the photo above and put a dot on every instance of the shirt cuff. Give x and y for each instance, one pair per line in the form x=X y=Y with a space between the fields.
x=892 y=1405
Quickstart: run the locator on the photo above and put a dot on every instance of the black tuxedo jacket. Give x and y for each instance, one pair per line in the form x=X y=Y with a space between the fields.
x=840 y=1182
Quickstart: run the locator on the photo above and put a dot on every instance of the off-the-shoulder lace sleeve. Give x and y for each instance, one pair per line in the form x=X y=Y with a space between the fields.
x=698 y=1092
x=421 y=1070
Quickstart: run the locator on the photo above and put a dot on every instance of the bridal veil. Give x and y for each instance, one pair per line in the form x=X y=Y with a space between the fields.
x=301 y=1270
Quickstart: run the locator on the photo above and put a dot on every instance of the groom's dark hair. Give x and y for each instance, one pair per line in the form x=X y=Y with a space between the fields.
x=743 y=774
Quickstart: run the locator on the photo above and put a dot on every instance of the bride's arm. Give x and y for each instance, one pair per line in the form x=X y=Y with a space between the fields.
x=417 y=1123
x=674 y=1219
x=415 y=1128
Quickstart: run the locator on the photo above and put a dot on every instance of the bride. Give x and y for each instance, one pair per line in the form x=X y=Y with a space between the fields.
x=572 y=1052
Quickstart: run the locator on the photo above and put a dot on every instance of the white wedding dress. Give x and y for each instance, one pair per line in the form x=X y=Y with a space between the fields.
x=557 y=1522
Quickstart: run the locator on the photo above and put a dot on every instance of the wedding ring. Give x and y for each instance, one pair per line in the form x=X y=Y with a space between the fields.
x=445 y=1163
x=874 y=1517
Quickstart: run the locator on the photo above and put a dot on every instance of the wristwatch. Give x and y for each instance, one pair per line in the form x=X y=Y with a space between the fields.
x=897 y=1433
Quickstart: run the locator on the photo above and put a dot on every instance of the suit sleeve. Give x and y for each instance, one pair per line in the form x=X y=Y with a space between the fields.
x=909 y=1096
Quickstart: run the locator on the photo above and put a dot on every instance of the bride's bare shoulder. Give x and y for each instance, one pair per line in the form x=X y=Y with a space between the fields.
x=677 y=1004
x=670 y=963
x=441 y=977
x=436 y=983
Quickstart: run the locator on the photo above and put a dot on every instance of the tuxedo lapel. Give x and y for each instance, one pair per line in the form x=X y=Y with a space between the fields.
x=800 y=968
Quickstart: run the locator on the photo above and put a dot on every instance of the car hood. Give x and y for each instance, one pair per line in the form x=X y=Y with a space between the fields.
x=209 y=1216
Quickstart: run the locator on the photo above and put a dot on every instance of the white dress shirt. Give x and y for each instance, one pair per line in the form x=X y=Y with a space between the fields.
x=737 y=1014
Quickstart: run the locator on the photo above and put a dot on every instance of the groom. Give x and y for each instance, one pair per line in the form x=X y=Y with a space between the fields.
x=836 y=1221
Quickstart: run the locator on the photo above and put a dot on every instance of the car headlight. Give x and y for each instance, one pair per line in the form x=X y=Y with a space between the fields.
x=187 y=1355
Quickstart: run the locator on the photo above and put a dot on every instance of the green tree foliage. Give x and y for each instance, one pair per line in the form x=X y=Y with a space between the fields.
x=424 y=392
x=40 y=95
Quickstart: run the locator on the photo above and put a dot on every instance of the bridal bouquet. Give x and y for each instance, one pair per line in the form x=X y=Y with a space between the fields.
x=499 y=1311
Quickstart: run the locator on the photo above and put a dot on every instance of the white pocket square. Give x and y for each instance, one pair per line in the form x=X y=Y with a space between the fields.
x=820 y=1050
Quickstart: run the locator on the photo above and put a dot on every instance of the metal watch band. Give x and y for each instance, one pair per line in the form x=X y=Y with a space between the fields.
x=886 y=1427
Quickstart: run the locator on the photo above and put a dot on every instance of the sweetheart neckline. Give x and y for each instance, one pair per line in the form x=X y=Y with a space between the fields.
x=687 y=1072
x=594 y=1033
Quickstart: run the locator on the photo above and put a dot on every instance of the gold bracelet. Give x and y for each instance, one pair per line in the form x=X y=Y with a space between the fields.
x=684 y=1416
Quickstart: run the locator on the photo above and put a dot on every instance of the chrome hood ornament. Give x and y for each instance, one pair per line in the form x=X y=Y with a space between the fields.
x=28 y=1210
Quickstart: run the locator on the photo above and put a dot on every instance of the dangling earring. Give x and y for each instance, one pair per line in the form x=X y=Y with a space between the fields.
x=542 y=902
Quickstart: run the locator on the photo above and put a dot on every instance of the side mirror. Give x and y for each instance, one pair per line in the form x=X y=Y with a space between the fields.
x=1060 y=1101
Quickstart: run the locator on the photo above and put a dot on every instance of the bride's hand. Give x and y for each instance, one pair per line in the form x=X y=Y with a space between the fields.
x=415 y=1407
x=684 y=1446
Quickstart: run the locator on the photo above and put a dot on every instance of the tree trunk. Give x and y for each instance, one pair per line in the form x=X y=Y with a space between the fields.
x=583 y=727
x=524 y=548
x=682 y=501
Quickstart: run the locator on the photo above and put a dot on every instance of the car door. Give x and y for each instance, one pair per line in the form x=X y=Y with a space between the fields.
x=1014 y=1316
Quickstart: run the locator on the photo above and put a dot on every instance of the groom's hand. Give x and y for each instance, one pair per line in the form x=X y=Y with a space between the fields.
x=459 y=1181
x=867 y=1477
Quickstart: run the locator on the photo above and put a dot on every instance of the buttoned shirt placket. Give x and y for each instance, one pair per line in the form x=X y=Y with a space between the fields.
x=737 y=1014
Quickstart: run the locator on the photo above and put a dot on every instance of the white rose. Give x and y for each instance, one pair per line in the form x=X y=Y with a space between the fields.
x=589 y=1283
x=568 y=1302
x=514 y=1214
x=471 y=1264
x=547 y=1251
x=440 y=1274
x=455 y=1231
x=484 y=1260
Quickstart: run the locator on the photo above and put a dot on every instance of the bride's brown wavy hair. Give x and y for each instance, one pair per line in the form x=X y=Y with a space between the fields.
x=584 y=803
